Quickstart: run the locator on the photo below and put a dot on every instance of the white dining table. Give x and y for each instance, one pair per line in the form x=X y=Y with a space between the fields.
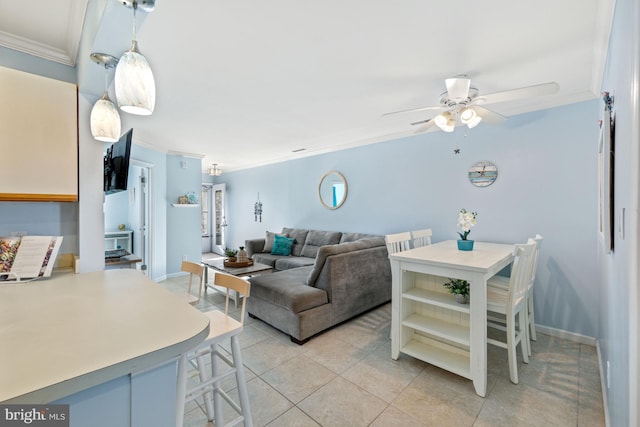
x=427 y=323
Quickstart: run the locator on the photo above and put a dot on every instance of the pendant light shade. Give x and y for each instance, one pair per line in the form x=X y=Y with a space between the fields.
x=135 y=85
x=105 y=120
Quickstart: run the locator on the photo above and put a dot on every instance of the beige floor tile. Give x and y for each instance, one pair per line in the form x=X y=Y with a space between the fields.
x=382 y=376
x=266 y=403
x=393 y=417
x=523 y=405
x=342 y=403
x=334 y=353
x=294 y=417
x=439 y=398
x=298 y=378
x=269 y=353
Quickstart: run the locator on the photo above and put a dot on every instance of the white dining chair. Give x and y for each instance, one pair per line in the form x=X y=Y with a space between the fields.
x=512 y=304
x=398 y=242
x=208 y=382
x=502 y=282
x=420 y=238
x=195 y=271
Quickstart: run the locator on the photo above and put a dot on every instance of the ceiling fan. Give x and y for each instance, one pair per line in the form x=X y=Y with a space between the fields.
x=461 y=104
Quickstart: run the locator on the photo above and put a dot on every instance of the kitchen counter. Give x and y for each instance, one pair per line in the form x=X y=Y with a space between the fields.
x=73 y=332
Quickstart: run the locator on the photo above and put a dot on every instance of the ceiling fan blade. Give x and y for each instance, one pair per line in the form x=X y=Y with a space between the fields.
x=428 y=125
x=420 y=122
x=435 y=108
x=523 y=92
x=489 y=116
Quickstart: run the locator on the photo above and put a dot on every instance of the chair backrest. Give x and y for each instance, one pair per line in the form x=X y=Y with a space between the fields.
x=241 y=286
x=398 y=242
x=521 y=272
x=421 y=238
x=194 y=270
x=538 y=241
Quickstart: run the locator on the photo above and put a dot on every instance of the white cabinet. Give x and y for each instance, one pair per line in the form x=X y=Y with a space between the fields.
x=118 y=240
x=39 y=134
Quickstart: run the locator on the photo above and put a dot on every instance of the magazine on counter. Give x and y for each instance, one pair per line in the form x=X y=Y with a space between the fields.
x=28 y=257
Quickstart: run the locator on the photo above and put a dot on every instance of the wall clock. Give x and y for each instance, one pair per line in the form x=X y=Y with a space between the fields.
x=483 y=174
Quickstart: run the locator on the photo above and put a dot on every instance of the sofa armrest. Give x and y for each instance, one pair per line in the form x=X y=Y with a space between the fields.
x=254 y=246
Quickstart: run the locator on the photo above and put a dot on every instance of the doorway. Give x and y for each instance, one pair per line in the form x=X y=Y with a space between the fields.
x=213 y=223
x=140 y=212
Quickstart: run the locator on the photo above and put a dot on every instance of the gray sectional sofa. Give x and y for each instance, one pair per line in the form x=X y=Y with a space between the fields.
x=329 y=277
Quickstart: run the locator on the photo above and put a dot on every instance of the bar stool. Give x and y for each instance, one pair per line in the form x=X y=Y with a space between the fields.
x=208 y=387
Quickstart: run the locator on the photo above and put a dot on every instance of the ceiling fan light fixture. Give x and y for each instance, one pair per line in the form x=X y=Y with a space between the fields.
x=445 y=121
x=470 y=117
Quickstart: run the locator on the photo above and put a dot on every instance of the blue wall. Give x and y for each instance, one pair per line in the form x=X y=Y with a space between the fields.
x=184 y=176
x=618 y=295
x=546 y=184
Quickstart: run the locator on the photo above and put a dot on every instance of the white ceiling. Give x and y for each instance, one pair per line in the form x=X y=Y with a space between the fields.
x=248 y=83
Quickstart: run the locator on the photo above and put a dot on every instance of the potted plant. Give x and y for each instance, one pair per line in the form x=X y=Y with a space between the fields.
x=459 y=288
x=231 y=254
x=466 y=220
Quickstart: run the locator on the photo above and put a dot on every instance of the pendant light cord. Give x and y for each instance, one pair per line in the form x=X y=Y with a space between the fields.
x=135 y=7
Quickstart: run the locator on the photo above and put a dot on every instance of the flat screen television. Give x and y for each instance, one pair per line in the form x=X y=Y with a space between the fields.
x=116 y=164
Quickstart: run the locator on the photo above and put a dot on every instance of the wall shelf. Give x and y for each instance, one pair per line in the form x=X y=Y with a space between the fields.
x=185 y=205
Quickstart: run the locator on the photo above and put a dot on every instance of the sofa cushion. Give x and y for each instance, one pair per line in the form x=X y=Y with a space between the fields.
x=352 y=237
x=285 y=263
x=268 y=243
x=286 y=289
x=281 y=245
x=328 y=250
x=267 y=259
x=316 y=238
x=299 y=235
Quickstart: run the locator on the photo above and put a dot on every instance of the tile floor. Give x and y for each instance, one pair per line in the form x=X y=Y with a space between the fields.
x=346 y=377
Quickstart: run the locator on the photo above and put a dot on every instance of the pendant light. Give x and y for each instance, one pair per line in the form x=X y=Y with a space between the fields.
x=214 y=170
x=135 y=85
x=105 y=120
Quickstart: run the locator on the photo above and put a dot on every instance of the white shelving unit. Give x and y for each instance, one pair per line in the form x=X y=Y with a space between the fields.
x=426 y=321
x=118 y=240
x=433 y=327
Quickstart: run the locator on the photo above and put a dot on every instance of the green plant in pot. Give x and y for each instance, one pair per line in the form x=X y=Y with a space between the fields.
x=459 y=288
x=231 y=254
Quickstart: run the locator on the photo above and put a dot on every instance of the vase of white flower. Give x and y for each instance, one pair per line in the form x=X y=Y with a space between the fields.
x=466 y=220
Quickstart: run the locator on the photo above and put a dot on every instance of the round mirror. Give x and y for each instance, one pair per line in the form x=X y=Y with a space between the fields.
x=332 y=190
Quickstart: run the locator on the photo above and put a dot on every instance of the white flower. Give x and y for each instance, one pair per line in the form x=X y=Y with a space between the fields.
x=466 y=220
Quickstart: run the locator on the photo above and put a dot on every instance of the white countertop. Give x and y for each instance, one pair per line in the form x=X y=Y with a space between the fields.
x=74 y=331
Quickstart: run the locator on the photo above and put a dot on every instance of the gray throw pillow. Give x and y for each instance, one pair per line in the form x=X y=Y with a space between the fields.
x=268 y=243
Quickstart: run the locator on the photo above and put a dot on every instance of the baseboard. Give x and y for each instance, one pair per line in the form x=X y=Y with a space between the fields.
x=571 y=336
x=603 y=386
x=174 y=275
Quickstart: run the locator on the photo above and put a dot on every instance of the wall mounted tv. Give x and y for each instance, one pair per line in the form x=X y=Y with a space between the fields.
x=116 y=164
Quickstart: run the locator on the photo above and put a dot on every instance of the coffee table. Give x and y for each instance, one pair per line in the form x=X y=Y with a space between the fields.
x=218 y=265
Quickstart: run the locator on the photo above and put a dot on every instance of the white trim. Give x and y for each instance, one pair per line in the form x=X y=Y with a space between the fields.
x=571 y=336
x=603 y=386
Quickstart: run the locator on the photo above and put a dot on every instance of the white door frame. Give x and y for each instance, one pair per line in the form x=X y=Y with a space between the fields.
x=146 y=200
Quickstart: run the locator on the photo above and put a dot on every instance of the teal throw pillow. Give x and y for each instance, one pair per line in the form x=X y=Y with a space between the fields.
x=282 y=245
